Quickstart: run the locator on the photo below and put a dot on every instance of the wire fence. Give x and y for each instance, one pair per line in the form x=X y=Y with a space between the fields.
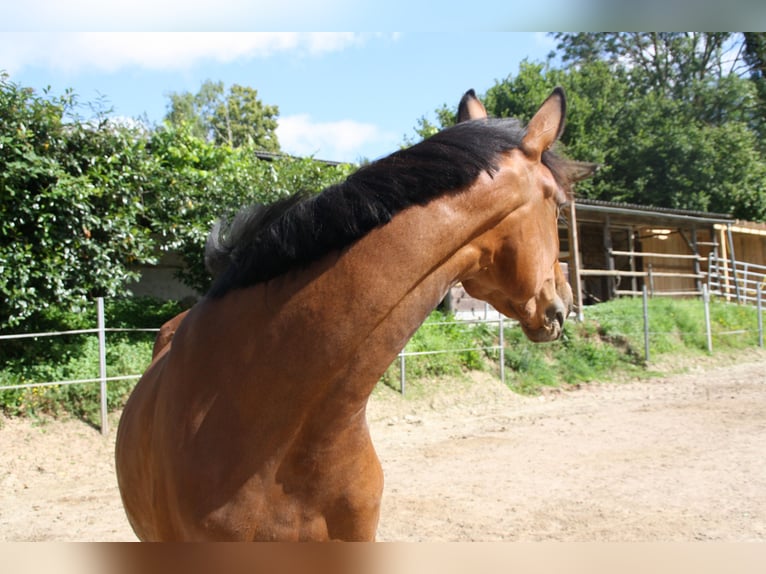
x=706 y=299
x=101 y=330
x=487 y=320
x=490 y=318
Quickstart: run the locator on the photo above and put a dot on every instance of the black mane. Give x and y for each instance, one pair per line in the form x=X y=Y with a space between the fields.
x=263 y=242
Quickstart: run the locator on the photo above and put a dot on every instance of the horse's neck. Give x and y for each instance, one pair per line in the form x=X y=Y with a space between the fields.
x=344 y=319
x=377 y=293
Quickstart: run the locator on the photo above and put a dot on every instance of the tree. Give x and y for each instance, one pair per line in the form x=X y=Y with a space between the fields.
x=234 y=119
x=699 y=153
x=660 y=61
x=596 y=95
x=192 y=183
x=690 y=122
x=755 y=56
x=83 y=203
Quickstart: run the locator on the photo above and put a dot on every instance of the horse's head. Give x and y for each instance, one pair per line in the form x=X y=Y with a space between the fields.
x=517 y=268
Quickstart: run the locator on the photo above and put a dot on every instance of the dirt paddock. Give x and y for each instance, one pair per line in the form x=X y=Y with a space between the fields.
x=678 y=458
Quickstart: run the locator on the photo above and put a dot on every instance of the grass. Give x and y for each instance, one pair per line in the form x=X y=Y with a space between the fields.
x=607 y=345
x=584 y=353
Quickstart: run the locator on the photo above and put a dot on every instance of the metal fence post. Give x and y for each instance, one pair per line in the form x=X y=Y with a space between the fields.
x=402 y=372
x=646 y=322
x=502 y=350
x=759 y=308
x=102 y=364
x=708 y=331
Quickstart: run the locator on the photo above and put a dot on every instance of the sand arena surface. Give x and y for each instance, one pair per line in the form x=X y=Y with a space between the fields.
x=679 y=458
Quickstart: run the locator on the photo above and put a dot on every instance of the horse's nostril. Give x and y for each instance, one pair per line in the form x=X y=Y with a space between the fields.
x=557 y=313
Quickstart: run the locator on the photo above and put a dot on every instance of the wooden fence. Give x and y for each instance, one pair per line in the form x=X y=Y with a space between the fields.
x=728 y=278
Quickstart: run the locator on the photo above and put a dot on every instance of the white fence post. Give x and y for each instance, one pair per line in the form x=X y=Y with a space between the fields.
x=759 y=310
x=402 y=371
x=102 y=364
x=502 y=349
x=645 y=297
x=708 y=329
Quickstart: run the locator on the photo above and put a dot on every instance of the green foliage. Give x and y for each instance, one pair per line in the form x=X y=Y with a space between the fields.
x=676 y=326
x=668 y=116
x=699 y=153
x=609 y=343
x=193 y=183
x=69 y=205
x=84 y=203
x=670 y=64
x=235 y=119
x=583 y=354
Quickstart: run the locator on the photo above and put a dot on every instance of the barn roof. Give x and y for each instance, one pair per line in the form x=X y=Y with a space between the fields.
x=632 y=214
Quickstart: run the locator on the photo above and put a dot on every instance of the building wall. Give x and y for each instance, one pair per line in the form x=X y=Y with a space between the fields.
x=159 y=281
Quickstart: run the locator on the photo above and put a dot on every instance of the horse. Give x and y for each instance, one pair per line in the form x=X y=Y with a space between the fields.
x=250 y=423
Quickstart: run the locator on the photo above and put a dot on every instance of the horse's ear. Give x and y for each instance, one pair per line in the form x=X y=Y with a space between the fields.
x=546 y=126
x=470 y=108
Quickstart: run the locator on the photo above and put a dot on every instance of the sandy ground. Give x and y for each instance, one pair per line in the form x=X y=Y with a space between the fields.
x=679 y=458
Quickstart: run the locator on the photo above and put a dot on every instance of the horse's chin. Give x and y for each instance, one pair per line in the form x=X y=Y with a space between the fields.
x=545 y=334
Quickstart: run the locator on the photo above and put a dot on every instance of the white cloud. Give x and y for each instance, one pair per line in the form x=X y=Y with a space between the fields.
x=170 y=15
x=110 y=51
x=344 y=140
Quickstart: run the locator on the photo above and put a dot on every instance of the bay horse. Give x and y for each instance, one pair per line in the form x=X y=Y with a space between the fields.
x=250 y=423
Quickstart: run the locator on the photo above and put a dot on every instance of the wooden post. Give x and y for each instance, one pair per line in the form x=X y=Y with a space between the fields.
x=632 y=249
x=733 y=262
x=609 y=257
x=725 y=286
x=697 y=268
x=574 y=261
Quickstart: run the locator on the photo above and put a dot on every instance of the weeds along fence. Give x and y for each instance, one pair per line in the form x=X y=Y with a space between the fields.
x=726 y=279
x=706 y=299
x=490 y=321
x=490 y=318
x=103 y=380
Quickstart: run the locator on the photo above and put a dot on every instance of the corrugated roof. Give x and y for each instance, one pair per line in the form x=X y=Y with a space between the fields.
x=652 y=209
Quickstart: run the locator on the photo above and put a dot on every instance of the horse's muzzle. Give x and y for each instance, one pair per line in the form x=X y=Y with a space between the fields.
x=553 y=323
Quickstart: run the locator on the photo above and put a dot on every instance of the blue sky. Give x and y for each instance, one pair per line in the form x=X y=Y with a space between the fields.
x=341 y=96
